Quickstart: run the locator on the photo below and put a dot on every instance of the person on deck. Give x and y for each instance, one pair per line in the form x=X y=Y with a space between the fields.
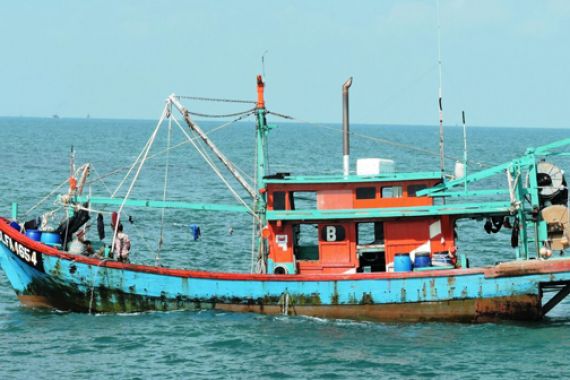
x=122 y=246
x=80 y=246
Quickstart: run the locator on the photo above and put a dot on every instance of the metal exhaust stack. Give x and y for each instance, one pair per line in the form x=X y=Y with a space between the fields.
x=345 y=127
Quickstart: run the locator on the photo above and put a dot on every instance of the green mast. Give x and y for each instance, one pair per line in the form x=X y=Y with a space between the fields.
x=262 y=162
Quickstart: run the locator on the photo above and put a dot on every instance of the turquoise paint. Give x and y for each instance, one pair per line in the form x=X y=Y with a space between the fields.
x=163 y=204
x=411 y=289
x=331 y=179
x=14 y=211
x=271 y=265
x=488 y=208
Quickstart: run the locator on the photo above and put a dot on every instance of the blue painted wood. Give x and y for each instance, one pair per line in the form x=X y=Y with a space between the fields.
x=86 y=278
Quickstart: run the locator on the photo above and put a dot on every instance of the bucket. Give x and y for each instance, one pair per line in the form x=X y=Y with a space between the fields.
x=34 y=234
x=402 y=262
x=422 y=260
x=51 y=238
x=15 y=225
x=441 y=259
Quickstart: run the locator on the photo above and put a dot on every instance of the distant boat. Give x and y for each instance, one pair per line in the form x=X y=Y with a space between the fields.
x=88 y=116
x=374 y=245
x=55 y=116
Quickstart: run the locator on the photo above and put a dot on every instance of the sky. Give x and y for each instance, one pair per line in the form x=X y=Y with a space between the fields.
x=505 y=62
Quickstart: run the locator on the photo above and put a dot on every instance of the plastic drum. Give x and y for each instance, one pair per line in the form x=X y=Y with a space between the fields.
x=50 y=238
x=402 y=262
x=422 y=260
x=34 y=234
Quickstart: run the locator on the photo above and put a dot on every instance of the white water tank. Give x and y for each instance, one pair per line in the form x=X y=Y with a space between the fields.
x=374 y=166
x=459 y=170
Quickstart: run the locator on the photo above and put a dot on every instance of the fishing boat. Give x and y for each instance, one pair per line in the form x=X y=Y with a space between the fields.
x=366 y=244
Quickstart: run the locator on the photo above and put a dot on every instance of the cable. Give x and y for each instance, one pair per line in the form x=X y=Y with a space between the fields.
x=221 y=116
x=118 y=170
x=379 y=139
x=221 y=100
x=214 y=168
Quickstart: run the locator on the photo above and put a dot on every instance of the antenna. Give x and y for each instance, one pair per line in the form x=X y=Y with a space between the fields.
x=441 y=139
x=263 y=63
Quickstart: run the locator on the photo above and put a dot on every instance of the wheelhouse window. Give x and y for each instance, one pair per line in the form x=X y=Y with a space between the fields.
x=306 y=241
x=370 y=233
x=304 y=200
x=413 y=189
x=392 y=191
x=365 y=192
x=279 y=200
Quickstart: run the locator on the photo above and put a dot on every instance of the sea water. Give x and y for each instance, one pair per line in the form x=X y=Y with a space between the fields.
x=34 y=159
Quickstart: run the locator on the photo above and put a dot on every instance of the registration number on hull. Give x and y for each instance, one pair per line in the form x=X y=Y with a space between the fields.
x=22 y=252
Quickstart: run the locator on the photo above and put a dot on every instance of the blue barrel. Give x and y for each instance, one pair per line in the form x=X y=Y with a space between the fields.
x=441 y=259
x=34 y=234
x=422 y=260
x=402 y=262
x=50 y=238
x=15 y=225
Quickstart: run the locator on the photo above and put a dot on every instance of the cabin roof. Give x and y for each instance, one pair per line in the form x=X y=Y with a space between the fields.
x=389 y=177
x=466 y=209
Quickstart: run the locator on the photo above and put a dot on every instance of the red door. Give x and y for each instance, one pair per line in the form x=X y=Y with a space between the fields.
x=336 y=251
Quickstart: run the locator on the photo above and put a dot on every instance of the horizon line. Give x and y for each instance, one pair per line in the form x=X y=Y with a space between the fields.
x=387 y=124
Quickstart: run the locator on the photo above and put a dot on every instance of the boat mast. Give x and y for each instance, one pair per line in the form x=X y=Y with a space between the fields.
x=262 y=161
x=440 y=100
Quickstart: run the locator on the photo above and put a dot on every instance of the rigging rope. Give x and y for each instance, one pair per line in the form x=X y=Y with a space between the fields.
x=41 y=201
x=142 y=161
x=131 y=168
x=103 y=182
x=379 y=139
x=118 y=170
x=221 y=116
x=220 y=100
x=214 y=168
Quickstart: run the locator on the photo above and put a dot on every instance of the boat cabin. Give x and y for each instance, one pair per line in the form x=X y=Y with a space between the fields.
x=338 y=224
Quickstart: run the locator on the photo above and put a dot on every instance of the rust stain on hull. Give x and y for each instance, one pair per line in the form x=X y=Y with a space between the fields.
x=47 y=293
x=527 y=307
x=473 y=310
x=526 y=267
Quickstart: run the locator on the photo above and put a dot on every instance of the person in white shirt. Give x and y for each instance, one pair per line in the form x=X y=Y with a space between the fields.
x=122 y=245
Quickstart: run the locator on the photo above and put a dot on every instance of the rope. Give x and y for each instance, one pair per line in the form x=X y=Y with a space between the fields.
x=103 y=182
x=382 y=140
x=45 y=198
x=214 y=168
x=221 y=100
x=281 y=115
x=93 y=284
x=118 y=170
x=132 y=167
x=221 y=116
x=142 y=161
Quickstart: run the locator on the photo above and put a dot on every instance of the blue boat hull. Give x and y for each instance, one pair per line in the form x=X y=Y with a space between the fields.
x=43 y=276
